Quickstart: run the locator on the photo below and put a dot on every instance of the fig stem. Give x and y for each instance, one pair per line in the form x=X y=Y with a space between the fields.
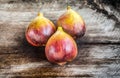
x=60 y=28
x=68 y=7
x=40 y=14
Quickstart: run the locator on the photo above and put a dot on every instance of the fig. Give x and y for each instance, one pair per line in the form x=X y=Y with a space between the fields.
x=72 y=23
x=61 y=48
x=39 y=30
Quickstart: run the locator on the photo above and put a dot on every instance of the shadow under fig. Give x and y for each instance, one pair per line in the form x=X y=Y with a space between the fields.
x=37 y=54
x=34 y=54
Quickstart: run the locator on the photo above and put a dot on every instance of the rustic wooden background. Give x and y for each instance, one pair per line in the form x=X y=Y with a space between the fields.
x=99 y=49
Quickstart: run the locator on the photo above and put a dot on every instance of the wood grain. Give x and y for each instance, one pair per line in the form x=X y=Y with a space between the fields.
x=17 y=15
x=92 y=61
x=99 y=49
x=13 y=33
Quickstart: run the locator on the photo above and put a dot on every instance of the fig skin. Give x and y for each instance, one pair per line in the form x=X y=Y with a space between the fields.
x=72 y=23
x=61 y=48
x=39 y=30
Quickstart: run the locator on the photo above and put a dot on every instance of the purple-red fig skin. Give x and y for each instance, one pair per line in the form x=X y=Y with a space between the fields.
x=39 y=31
x=77 y=31
x=61 y=48
x=38 y=37
x=72 y=23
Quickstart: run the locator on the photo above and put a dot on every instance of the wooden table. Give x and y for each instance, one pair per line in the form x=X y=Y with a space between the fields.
x=99 y=49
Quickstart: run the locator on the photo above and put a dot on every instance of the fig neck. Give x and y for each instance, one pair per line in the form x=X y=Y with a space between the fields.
x=40 y=14
x=68 y=7
x=60 y=28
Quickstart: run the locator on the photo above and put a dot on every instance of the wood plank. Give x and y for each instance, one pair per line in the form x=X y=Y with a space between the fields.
x=53 y=5
x=13 y=34
x=100 y=29
x=92 y=61
x=99 y=49
x=69 y=71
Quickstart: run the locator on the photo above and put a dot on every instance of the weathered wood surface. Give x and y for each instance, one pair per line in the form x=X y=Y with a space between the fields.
x=99 y=49
x=92 y=61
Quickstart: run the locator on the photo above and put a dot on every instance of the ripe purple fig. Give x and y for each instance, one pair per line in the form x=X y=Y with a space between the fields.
x=61 y=48
x=72 y=23
x=39 y=30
